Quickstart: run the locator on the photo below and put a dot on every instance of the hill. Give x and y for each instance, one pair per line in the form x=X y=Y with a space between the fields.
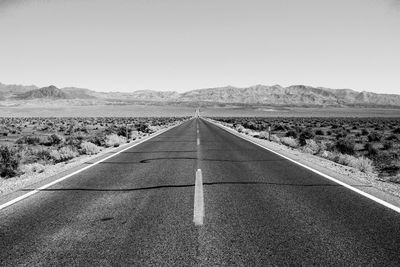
x=276 y=95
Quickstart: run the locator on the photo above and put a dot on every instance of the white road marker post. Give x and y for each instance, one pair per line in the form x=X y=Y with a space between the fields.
x=198 y=211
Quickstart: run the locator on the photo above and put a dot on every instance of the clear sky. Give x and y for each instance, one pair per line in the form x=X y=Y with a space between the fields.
x=126 y=45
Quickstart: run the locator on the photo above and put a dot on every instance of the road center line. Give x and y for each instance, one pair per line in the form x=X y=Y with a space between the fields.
x=198 y=211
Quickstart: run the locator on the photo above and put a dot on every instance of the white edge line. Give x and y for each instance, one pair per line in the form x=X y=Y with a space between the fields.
x=198 y=210
x=15 y=200
x=378 y=200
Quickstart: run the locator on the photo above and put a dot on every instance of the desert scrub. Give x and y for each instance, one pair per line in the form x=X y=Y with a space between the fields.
x=89 y=148
x=63 y=154
x=345 y=146
x=114 y=140
x=290 y=142
x=362 y=164
x=311 y=147
x=9 y=162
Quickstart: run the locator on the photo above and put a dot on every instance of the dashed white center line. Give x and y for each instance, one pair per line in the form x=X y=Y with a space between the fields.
x=198 y=211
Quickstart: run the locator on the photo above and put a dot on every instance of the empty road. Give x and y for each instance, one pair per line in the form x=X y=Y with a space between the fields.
x=198 y=195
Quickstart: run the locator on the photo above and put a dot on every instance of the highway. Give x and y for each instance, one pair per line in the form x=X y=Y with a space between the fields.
x=197 y=195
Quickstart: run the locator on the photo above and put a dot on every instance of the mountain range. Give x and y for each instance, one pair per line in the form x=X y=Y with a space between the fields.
x=276 y=95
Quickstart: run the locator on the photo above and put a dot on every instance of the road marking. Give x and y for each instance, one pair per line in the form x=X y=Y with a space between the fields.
x=198 y=210
x=15 y=200
x=356 y=190
x=198 y=141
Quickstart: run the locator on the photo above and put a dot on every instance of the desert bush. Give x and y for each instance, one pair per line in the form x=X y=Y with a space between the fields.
x=396 y=131
x=289 y=141
x=124 y=131
x=387 y=145
x=114 y=140
x=263 y=135
x=319 y=132
x=9 y=162
x=392 y=137
x=98 y=139
x=305 y=135
x=363 y=164
x=275 y=138
x=56 y=139
x=291 y=133
x=371 y=149
x=239 y=128
x=63 y=154
x=311 y=147
x=374 y=137
x=364 y=132
x=142 y=127
x=345 y=146
x=41 y=154
x=29 y=140
x=89 y=148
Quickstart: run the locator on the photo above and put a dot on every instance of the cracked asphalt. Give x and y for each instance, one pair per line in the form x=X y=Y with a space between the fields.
x=136 y=208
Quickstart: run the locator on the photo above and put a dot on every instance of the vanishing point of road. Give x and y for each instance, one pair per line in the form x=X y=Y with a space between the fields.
x=198 y=195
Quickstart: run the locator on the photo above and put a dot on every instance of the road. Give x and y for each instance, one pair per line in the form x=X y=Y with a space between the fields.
x=138 y=208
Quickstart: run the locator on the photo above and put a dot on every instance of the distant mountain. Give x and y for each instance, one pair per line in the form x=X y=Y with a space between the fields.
x=276 y=95
x=297 y=95
x=52 y=92
x=9 y=90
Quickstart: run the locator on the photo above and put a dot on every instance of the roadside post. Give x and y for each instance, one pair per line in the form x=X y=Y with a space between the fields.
x=269 y=133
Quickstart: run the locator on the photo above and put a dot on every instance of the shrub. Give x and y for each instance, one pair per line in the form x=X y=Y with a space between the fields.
x=9 y=162
x=275 y=138
x=374 y=137
x=289 y=141
x=56 y=139
x=396 y=131
x=387 y=145
x=306 y=134
x=364 y=132
x=345 y=146
x=363 y=164
x=30 y=140
x=239 y=128
x=263 y=135
x=311 y=147
x=89 y=148
x=63 y=154
x=114 y=140
x=124 y=131
x=291 y=133
x=392 y=137
x=42 y=154
x=98 y=139
x=371 y=149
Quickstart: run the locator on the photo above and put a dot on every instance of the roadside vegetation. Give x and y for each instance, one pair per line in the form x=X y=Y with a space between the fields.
x=371 y=145
x=28 y=145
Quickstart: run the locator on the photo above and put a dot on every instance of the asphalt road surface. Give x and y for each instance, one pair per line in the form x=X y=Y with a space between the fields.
x=138 y=208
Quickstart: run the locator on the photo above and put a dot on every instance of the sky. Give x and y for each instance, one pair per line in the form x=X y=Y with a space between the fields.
x=180 y=45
